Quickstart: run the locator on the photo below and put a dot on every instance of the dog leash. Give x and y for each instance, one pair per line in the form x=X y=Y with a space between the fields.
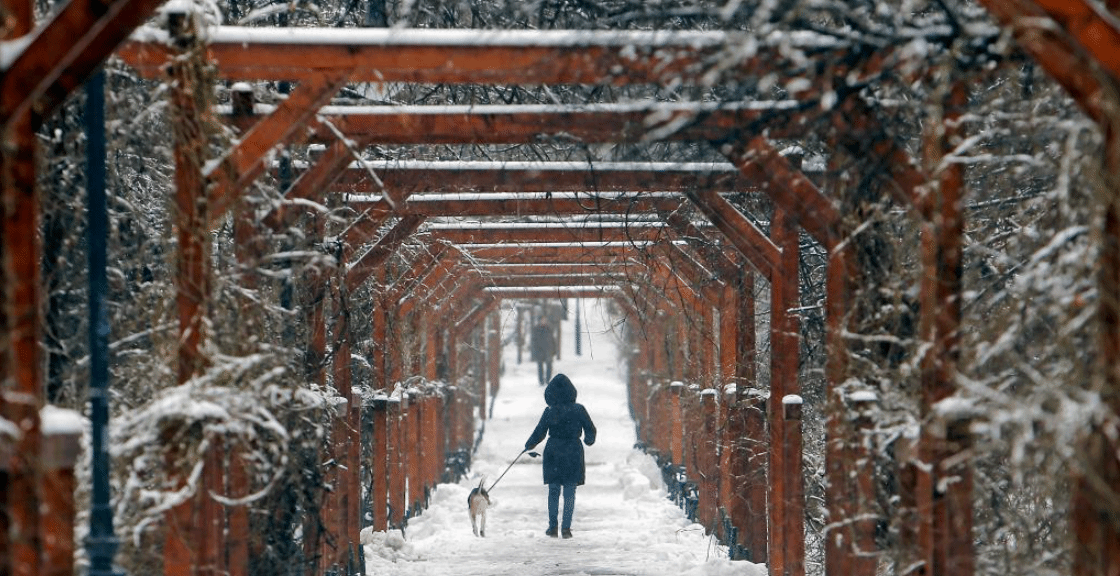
x=531 y=454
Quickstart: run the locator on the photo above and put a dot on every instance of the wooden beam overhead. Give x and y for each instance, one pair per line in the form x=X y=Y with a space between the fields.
x=524 y=124
x=541 y=205
x=483 y=56
x=557 y=292
x=362 y=269
x=1070 y=40
x=65 y=52
x=511 y=270
x=245 y=162
x=482 y=177
x=545 y=233
x=561 y=280
x=554 y=253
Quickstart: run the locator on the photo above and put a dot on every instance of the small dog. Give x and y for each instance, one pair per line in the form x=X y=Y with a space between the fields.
x=477 y=503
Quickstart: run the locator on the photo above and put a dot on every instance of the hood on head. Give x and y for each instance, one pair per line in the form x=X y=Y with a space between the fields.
x=560 y=390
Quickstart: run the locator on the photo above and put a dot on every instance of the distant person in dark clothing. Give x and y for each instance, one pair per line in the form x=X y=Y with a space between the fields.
x=542 y=345
x=562 y=421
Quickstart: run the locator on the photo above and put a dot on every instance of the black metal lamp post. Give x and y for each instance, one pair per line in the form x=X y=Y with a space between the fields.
x=101 y=543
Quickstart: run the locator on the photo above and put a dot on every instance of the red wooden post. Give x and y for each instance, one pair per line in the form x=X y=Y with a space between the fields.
x=1094 y=519
x=395 y=469
x=795 y=488
x=944 y=508
x=19 y=275
x=61 y=448
x=343 y=497
x=407 y=447
x=861 y=488
x=431 y=346
x=494 y=351
x=661 y=428
x=424 y=447
x=20 y=471
x=240 y=537
x=748 y=464
x=784 y=349
x=689 y=404
x=212 y=544
x=726 y=440
x=439 y=426
x=354 y=505
x=379 y=468
x=478 y=336
x=730 y=302
x=709 y=461
x=416 y=454
x=192 y=283
x=675 y=423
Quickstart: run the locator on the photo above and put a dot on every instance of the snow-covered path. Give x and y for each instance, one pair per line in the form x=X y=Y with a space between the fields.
x=623 y=524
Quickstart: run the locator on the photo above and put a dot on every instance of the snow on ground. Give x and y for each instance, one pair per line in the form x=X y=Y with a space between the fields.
x=624 y=524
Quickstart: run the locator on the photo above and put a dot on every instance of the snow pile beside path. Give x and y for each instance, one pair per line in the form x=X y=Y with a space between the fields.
x=384 y=549
x=640 y=478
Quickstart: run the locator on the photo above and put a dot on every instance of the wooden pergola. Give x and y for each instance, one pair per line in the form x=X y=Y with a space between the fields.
x=622 y=231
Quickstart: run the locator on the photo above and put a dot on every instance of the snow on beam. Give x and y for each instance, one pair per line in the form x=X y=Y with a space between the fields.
x=555 y=292
x=574 y=281
x=513 y=124
x=548 y=253
x=521 y=207
x=488 y=56
x=480 y=235
x=419 y=177
x=545 y=269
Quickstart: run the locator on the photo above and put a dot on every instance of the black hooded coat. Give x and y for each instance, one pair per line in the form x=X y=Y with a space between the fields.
x=563 y=421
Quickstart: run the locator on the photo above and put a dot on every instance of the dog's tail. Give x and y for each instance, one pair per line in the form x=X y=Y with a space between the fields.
x=481 y=481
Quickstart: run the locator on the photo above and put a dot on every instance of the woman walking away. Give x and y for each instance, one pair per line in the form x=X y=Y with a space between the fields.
x=562 y=421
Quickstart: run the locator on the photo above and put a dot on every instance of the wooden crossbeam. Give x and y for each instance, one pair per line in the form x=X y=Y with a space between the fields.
x=64 y=53
x=496 y=124
x=481 y=177
x=788 y=187
x=561 y=280
x=512 y=270
x=525 y=233
x=557 y=292
x=521 y=205
x=1070 y=40
x=710 y=250
x=692 y=272
x=367 y=263
x=245 y=161
x=312 y=183
x=483 y=56
x=740 y=231
x=559 y=253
